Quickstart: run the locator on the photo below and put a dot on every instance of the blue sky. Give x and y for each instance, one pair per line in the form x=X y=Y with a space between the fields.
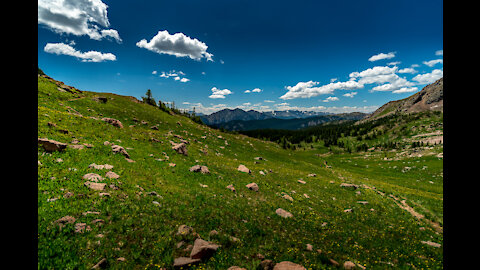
x=334 y=56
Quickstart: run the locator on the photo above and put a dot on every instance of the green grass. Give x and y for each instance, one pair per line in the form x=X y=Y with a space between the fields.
x=144 y=233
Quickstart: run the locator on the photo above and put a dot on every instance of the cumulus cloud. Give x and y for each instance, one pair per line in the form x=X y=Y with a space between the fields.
x=350 y=95
x=432 y=63
x=328 y=99
x=407 y=70
x=247 y=91
x=177 y=44
x=428 y=78
x=307 y=89
x=439 y=52
x=90 y=56
x=154 y=72
x=175 y=75
x=77 y=17
x=217 y=93
x=381 y=56
x=405 y=90
x=256 y=90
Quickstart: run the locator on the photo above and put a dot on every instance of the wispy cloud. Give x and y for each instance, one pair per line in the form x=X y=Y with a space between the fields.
x=90 y=56
x=432 y=63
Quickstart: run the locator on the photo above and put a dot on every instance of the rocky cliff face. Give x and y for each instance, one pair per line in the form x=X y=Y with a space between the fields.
x=430 y=98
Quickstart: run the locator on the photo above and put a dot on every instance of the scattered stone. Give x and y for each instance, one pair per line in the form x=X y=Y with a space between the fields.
x=312 y=175
x=90 y=212
x=93 y=177
x=349 y=185
x=154 y=127
x=309 y=247
x=104 y=194
x=172 y=164
x=258 y=158
x=253 y=186
x=95 y=186
x=362 y=202
x=76 y=146
x=283 y=213
x=333 y=262
x=88 y=145
x=261 y=172
x=433 y=244
x=112 y=175
x=236 y=268
x=82 y=227
x=184 y=261
x=113 y=122
x=231 y=188
x=286 y=265
x=67 y=195
x=349 y=265
x=59 y=160
x=121 y=259
x=51 y=145
x=119 y=149
x=100 y=167
x=130 y=160
x=181 y=148
x=287 y=197
x=301 y=182
x=348 y=210
x=244 y=169
x=213 y=233
x=199 y=168
x=203 y=249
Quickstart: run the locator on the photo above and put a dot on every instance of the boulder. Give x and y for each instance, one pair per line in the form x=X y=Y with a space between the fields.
x=95 y=186
x=203 y=249
x=184 y=261
x=286 y=265
x=283 y=213
x=51 y=145
x=112 y=175
x=236 y=268
x=244 y=169
x=266 y=265
x=119 y=149
x=113 y=122
x=181 y=148
x=252 y=186
x=349 y=265
x=93 y=177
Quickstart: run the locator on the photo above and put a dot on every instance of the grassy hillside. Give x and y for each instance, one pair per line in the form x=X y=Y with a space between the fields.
x=134 y=225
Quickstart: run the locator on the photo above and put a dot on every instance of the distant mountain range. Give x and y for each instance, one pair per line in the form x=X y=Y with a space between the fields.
x=227 y=115
x=290 y=124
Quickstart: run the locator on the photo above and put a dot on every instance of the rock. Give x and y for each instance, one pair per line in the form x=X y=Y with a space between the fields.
x=67 y=195
x=172 y=164
x=113 y=122
x=433 y=244
x=283 y=213
x=119 y=149
x=76 y=146
x=309 y=247
x=112 y=175
x=100 y=99
x=301 y=182
x=213 y=233
x=64 y=220
x=252 y=186
x=244 y=169
x=121 y=259
x=198 y=168
x=93 y=177
x=286 y=265
x=348 y=185
x=184 y=261
x=258 y=158
x=236 y=268
x=154 y=127
x=261 y=172
x=82 y=227
x=333 y=262
x=231 y=188
x=349 y=265
x=95 y=186
x=287 y=197
x=102 y=264
x=348 y=210
x=181 y=148
x=266 y=265
x=130 y=160
x=203 y=249
x=362 y=202
x=312 y=175
x=59 y=160
x=51 y=145
x=100 y=167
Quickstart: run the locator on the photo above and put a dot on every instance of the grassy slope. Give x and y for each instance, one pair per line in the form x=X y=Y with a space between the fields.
x=144 y=233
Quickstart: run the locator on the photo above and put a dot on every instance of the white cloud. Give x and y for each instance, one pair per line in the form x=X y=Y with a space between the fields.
x=175 y=75
x=381 y=56
x=222 y=62
x=428 y=78
x=269 y=101
x=328 y=99
x=154 y=72
x=414 y=65
x=90 y=56
x=405 y=90
x=350 y=95
x=407 y=70
x=247 y=91
x=256 y=90
x=394 y=63
x=184 y=80
x=432 y=63
x=76 y=17
x=177 y=44
x=396 y=84
x=217 y=93
x=439 y=52
x=307 y=89
x=203 y=73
